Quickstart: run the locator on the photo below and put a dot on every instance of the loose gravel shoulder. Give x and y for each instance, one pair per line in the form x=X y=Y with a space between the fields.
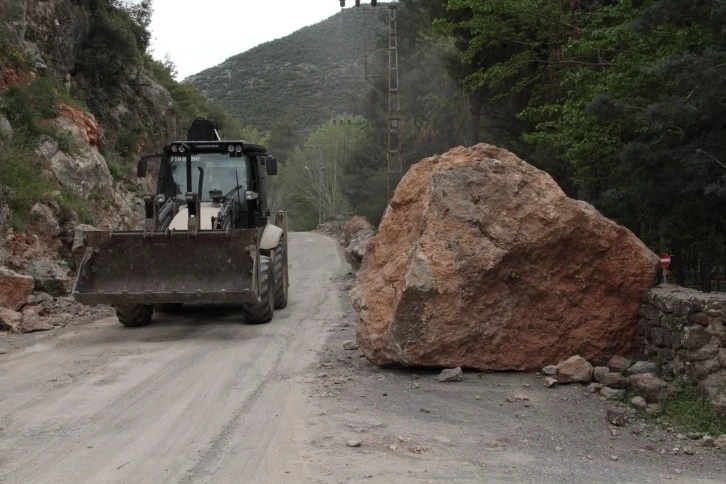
x=403 y=425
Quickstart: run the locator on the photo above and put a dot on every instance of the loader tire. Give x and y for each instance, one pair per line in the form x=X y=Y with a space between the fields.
x=263 y=311
x=279 y=275
x=134 y=314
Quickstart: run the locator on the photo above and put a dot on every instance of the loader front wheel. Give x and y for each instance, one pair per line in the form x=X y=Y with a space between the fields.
x=262 y=311
x=134 y=314
x=279 y=275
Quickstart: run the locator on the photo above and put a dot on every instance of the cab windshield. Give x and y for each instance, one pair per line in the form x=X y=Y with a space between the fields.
x=221 y=172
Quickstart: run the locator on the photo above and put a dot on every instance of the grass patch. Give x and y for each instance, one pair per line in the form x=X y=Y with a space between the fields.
x=119 y=170
x=687 y=410
x=71 y=204
x=11 y=56
x=21 y=171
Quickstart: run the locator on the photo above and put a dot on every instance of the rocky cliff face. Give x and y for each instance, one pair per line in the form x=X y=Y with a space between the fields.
x=82 y=153
x=50 y=34
x=482 y=261
x=49 y=31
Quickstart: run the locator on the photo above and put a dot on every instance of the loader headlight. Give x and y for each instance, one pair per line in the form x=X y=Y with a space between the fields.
x=160 y=199
x=181 y=149
x=238 y=148
x=230 y=148
x=174 y=148
x=249 y=195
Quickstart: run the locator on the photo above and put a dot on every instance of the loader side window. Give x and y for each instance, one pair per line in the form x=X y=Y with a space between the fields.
x=221 y=172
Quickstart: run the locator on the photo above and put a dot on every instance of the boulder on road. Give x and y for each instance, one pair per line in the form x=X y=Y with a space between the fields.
x=481 y=261
x=14 y=288
x=575 y=369
x=357 y=234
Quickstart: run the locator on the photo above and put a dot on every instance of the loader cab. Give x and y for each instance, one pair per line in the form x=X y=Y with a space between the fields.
x=219 y=172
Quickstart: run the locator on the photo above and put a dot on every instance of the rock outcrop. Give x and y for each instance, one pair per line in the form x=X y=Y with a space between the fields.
x=87 y=128
x=482 y=261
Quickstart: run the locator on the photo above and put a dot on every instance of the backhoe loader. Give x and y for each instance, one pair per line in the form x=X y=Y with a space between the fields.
x=206 y=237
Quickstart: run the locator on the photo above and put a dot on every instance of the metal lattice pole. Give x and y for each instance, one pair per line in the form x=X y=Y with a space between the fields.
x=395 y=161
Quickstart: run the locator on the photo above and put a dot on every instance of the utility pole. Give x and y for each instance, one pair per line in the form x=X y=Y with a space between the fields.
x=394 y=158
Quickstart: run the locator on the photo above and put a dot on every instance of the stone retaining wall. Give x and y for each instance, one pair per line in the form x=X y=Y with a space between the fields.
x=684 y=332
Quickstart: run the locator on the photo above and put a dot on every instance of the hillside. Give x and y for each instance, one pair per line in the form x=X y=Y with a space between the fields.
x=80 y=100
x=309 y=76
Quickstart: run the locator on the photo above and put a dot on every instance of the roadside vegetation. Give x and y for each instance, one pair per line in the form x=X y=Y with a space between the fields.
x=689 y=413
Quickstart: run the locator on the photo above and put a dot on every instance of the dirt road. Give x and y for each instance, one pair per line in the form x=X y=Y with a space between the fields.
x=194 y=397
x=201 y=397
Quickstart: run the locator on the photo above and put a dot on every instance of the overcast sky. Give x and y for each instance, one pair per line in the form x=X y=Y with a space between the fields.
x=200 y=34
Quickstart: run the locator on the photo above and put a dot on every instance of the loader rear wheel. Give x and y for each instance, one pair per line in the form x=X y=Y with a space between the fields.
x=134 y=314
x=263 y=311
x=279 y=275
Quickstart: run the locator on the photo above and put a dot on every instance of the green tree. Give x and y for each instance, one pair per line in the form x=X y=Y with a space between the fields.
x=333 y=172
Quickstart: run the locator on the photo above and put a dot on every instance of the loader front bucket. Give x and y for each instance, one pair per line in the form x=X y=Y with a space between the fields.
x=172 y=267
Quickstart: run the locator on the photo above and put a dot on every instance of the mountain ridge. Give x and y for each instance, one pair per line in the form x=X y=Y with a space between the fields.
x=309 y=76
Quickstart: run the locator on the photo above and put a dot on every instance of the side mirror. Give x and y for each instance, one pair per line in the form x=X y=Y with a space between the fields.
x=271 y=165
x=141 y=168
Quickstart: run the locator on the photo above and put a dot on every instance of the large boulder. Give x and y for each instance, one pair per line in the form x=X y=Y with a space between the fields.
x=482 y=261
x=14 y=288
